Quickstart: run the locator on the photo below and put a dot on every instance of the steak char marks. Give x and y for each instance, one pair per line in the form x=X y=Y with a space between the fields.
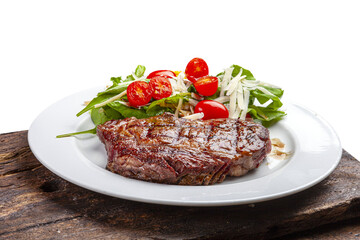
x=166 y=149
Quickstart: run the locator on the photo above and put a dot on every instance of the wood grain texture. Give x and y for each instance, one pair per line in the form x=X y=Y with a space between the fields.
x=349 y=229
x=36 y=204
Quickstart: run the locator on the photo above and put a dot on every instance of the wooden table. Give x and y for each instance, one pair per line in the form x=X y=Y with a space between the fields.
x=36 y=204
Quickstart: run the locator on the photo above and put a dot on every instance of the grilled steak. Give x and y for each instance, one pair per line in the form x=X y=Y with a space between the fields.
x=166 y=149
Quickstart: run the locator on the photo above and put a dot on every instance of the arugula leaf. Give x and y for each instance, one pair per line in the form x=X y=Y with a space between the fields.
x=96 y=100
x=91 y=131
x=113 y=88
x=116 y=89
x=235 y=72
x=170 y=102
x=129 y=78
x=140 y=70
x=104 y=114
x=119 y=85
x=249 y=75
x=128 y=112
x=192 y=88
x=263 y=97
x=115 y=80
x=276 y=91
x=266 y=116
x=157 y=110
x=98 y=116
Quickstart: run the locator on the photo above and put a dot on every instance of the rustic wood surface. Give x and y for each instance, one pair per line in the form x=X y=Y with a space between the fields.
x=36 y=204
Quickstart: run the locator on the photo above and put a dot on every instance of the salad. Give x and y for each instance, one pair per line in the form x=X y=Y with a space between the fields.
x=193 y=94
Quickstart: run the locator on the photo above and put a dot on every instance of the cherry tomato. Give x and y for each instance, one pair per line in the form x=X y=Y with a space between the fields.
x=138 y=93
x=249 y=118
x=196 y=68
x=207 y=85
x=163 y=73
x=211 y=109
x=160 y=87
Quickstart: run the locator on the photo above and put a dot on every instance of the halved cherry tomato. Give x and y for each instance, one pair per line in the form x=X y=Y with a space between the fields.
x=196 y=68
x=211 y=109
x=160 y=87
x=138 y=93
x=163 y=73
x=207 y=85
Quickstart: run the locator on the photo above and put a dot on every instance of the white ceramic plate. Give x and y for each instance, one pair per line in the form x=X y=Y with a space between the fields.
x=315 y=149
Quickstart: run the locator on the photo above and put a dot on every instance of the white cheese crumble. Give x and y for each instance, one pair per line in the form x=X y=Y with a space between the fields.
x=195 y=116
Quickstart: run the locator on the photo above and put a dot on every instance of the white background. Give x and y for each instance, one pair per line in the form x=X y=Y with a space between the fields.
x=51 y=49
